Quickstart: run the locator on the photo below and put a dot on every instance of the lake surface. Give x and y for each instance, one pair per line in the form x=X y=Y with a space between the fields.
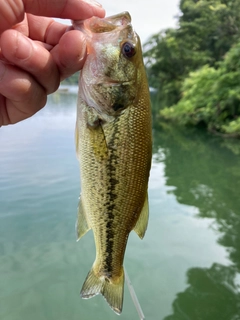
x=186 y=268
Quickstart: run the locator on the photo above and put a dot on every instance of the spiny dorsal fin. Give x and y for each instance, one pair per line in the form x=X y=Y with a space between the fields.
x=142 y=223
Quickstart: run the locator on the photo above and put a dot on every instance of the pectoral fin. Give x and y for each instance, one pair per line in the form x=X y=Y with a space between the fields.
x=96 y=136
x=82 y=226
x=141 y=225
x=89 y=131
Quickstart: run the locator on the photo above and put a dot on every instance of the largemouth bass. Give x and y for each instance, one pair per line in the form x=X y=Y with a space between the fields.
x=114 y=147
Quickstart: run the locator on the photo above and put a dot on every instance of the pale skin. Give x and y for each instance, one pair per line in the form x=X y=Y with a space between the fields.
x=36 y=52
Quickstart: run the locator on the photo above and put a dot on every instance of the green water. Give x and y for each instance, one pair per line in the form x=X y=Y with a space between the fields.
x=186 y=268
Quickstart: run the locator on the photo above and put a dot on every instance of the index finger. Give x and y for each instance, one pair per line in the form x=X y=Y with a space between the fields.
x=12 y=11
x=68 y=9
x=44 y=29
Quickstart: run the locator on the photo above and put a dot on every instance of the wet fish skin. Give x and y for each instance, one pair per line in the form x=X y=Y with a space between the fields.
x=114 y=147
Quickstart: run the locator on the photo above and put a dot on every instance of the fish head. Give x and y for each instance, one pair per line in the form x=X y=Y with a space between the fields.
x=112 y=71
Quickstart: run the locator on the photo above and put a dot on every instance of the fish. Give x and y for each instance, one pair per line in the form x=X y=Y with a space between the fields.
x=114 y=148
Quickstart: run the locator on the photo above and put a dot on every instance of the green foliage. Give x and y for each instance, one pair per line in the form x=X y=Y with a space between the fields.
x=169 y=59
x=194 y=104
x=194 y=77
x=73 y=80
x=214 y=24
x=211 y=96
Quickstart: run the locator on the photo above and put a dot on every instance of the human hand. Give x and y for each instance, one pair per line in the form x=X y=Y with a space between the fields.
x=36 y=52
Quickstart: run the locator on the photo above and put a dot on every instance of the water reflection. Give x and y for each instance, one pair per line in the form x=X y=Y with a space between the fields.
x=187 y=266
x=204 y=172
x=211 y=295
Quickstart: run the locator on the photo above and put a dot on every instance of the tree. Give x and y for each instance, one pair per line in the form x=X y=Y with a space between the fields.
x=206 y=31
x=211 y=96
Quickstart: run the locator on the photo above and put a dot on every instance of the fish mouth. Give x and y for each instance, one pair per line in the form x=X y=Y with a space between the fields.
x=98 y=25
x=102 y=25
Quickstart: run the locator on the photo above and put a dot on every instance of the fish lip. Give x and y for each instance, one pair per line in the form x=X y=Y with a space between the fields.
x=95 y=25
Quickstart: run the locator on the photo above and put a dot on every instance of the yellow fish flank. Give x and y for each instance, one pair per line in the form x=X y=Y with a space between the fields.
x=114 y=147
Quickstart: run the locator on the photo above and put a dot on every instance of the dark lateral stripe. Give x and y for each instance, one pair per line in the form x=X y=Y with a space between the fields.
x=110 y=205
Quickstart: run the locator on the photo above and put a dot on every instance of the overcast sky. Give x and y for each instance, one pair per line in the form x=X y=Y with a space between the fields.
x=148 y=16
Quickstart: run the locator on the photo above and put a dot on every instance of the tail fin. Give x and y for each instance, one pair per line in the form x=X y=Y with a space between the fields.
x=112 y=292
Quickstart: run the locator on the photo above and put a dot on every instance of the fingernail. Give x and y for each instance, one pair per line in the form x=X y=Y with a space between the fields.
x=93 y=2
x=24 y=47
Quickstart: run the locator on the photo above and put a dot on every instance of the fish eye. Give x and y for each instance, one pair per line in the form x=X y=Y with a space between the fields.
x=128 y=50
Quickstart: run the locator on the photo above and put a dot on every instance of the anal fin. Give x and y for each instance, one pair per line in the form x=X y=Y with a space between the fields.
x=142 y=223
x=82 y=226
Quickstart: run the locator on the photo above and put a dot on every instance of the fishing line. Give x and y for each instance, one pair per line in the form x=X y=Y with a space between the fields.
x=134 y=296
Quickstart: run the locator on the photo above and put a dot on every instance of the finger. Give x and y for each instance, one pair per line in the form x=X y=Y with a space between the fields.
x=19 y=95
x=70 y=9
x=22 y=26
x=12 y=11
x=45 y=29
x=70 y=54
x=31 y=57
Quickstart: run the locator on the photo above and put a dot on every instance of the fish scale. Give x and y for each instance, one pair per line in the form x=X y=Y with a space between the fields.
x=114 y=149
